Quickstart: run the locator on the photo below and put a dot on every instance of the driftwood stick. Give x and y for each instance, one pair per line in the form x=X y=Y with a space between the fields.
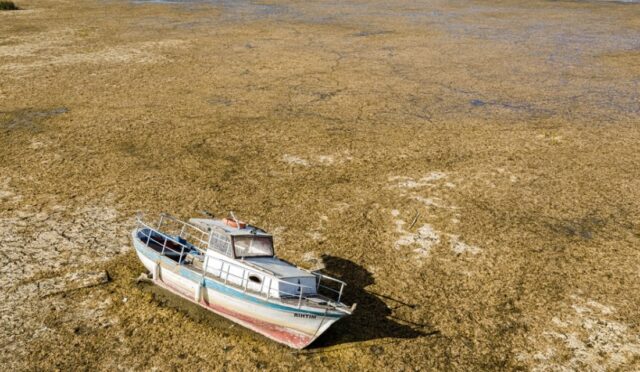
x=415 y=219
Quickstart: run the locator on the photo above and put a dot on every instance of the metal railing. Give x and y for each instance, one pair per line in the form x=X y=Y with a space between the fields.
x=187 y=230
x=186 y=251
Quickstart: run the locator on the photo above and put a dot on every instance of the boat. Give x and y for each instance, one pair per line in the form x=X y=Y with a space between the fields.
x=230 y=268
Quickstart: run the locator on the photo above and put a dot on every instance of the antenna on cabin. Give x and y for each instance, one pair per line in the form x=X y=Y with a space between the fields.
x=234 y=218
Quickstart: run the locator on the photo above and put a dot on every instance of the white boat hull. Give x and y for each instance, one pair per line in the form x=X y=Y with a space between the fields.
x=290 y=325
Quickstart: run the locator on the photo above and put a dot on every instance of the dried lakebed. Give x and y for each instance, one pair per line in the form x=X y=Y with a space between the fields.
x=469 y=168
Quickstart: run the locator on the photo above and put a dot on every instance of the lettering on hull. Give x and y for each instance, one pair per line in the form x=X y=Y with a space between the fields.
x=308 y=316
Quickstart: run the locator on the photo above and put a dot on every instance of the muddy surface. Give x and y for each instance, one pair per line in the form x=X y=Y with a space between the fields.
x=470 y=168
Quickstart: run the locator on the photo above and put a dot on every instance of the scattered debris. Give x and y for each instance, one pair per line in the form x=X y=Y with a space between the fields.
x=424 y=239
x=415 y=219
x=322 y=160
x=143 y=278
x=294 y=160
x=460 y=247
x=71 y=281
x=411 y=183
x=586 y=339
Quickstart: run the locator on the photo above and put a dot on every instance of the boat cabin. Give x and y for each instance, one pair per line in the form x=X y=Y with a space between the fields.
x=236 y=239
x=245 y=253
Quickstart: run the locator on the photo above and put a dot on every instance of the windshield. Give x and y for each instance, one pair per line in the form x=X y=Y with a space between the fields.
x=253 y=246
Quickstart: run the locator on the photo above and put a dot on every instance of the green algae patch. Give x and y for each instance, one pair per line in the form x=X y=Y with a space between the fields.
x=8 y=5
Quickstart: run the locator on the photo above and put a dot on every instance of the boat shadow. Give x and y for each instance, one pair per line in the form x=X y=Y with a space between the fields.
x=373 y=318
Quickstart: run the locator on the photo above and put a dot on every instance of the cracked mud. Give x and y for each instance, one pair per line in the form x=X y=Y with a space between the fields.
x=471 y=169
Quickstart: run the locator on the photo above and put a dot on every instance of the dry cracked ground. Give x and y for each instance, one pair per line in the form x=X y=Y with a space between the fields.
x=471 y=168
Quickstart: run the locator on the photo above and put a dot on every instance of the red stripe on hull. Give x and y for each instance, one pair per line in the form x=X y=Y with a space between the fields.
x=277 y=333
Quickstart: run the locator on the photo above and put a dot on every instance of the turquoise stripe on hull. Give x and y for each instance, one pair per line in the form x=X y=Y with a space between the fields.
x=209 y=283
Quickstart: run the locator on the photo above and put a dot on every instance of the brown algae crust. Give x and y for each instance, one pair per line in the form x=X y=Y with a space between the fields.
x=470 y=168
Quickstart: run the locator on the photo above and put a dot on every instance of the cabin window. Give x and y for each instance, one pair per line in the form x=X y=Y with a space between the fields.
x=253 y=246
x=220 y=243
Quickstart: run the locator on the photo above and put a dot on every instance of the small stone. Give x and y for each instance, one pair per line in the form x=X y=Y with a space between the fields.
x=376 y=349
x=143 y=277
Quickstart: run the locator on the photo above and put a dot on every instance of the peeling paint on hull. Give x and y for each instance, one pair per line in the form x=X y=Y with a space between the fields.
x=274 y=332
x=296 y=328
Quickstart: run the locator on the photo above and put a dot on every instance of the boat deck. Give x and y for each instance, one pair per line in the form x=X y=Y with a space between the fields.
x=184 y=253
